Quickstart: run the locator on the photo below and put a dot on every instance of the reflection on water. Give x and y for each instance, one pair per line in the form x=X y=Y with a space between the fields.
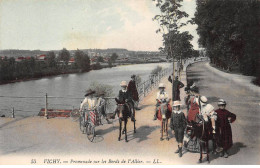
x=69 y=85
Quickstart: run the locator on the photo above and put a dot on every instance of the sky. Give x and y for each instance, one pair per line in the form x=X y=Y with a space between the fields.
x=72 y=24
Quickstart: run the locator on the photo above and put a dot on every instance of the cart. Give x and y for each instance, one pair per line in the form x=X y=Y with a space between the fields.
x=89 y=119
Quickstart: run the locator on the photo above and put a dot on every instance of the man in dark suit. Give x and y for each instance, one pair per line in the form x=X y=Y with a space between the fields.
x=125 y=97
x=133 y=91
x=176 y=88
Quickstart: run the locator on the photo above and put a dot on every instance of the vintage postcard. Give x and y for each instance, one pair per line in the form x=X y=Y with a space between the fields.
x=129 y=82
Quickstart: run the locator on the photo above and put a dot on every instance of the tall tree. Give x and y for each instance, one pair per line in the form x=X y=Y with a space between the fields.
x=113 y=57
x=229 y=31
x=50 y=59
x=170 y=22
x=64 y=55
x=82 y=60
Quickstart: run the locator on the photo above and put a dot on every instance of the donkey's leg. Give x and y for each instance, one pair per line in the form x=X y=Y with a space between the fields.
x=207 y=147
x=134 y=127
x=162 y=123
x=167 y=136
x=200 y=160
x=120 y=128
x=125 y=130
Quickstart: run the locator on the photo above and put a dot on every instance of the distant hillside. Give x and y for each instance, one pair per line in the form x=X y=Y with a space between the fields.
x=26 y=53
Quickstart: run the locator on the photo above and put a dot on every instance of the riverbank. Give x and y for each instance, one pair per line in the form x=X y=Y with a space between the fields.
x=72 y=71
x=77 y=71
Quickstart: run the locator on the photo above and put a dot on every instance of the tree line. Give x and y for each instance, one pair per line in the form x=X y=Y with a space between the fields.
x=11 y=70
x=230 y=32
x=176 y=43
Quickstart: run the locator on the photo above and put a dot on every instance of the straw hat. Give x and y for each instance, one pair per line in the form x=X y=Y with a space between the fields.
x=102 y=93
x=176 y=103
x=161 y=85
x=123 y=83
x=89 y=92
x=221 y=102
x=203 y=100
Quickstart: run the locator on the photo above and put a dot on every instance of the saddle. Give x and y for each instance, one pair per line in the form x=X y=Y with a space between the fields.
x=168 y=112
x=199 y=128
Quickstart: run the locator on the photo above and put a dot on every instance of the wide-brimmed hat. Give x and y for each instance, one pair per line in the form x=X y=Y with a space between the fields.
x=133 y=76
x=203 y=100
x=221 y=102
x=187 y=88
x=161 y=85
x=123 y=83
x=89 y=92
x=101 y=94
x=176 y=103
x=194 y=89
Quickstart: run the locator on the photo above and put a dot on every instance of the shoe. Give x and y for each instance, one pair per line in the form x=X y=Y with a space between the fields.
x=177 y=151
x=225 y=154
x=137 y=108
x=221 y=154
x=109 y=122
x=180 y=152
x=133 y=119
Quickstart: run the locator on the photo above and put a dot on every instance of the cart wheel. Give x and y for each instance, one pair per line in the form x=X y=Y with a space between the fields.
x=81 y=124
x=90 y=132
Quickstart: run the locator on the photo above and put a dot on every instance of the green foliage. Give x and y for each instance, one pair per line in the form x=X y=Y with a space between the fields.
x=82 y=60
x=138 y=80
x=229 y=31
x=156 y=70
x=96 y=66
x=176 y=44
x=113 y=57
x=51 y=60
x=100 y=59
x=110 y=63
x=101 y=88
x=64 y=56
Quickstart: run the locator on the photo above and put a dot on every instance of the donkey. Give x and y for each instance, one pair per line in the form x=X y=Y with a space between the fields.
x=202 y=130
x=164 y=113
x=124 y=112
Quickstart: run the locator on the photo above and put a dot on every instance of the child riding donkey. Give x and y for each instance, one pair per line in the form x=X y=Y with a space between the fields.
x=163 y=110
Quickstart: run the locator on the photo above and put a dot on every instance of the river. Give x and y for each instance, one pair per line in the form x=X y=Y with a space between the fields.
x=28 y=97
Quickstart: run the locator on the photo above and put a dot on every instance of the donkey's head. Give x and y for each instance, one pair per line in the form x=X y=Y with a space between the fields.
x=163 y=110
x=122 y=110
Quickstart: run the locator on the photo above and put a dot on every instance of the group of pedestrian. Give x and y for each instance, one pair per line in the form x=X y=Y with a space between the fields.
x=197 y=107
x=127 y=94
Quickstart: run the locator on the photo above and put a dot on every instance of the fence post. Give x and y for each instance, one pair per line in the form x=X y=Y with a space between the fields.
x=13 y=113
x=46 y=107
x=144 y=88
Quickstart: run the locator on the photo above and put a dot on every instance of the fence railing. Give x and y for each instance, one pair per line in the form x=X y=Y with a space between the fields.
x=54 y=102
x=154 y=79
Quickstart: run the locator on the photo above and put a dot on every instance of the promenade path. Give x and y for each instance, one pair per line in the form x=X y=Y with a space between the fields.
x=23 y=139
